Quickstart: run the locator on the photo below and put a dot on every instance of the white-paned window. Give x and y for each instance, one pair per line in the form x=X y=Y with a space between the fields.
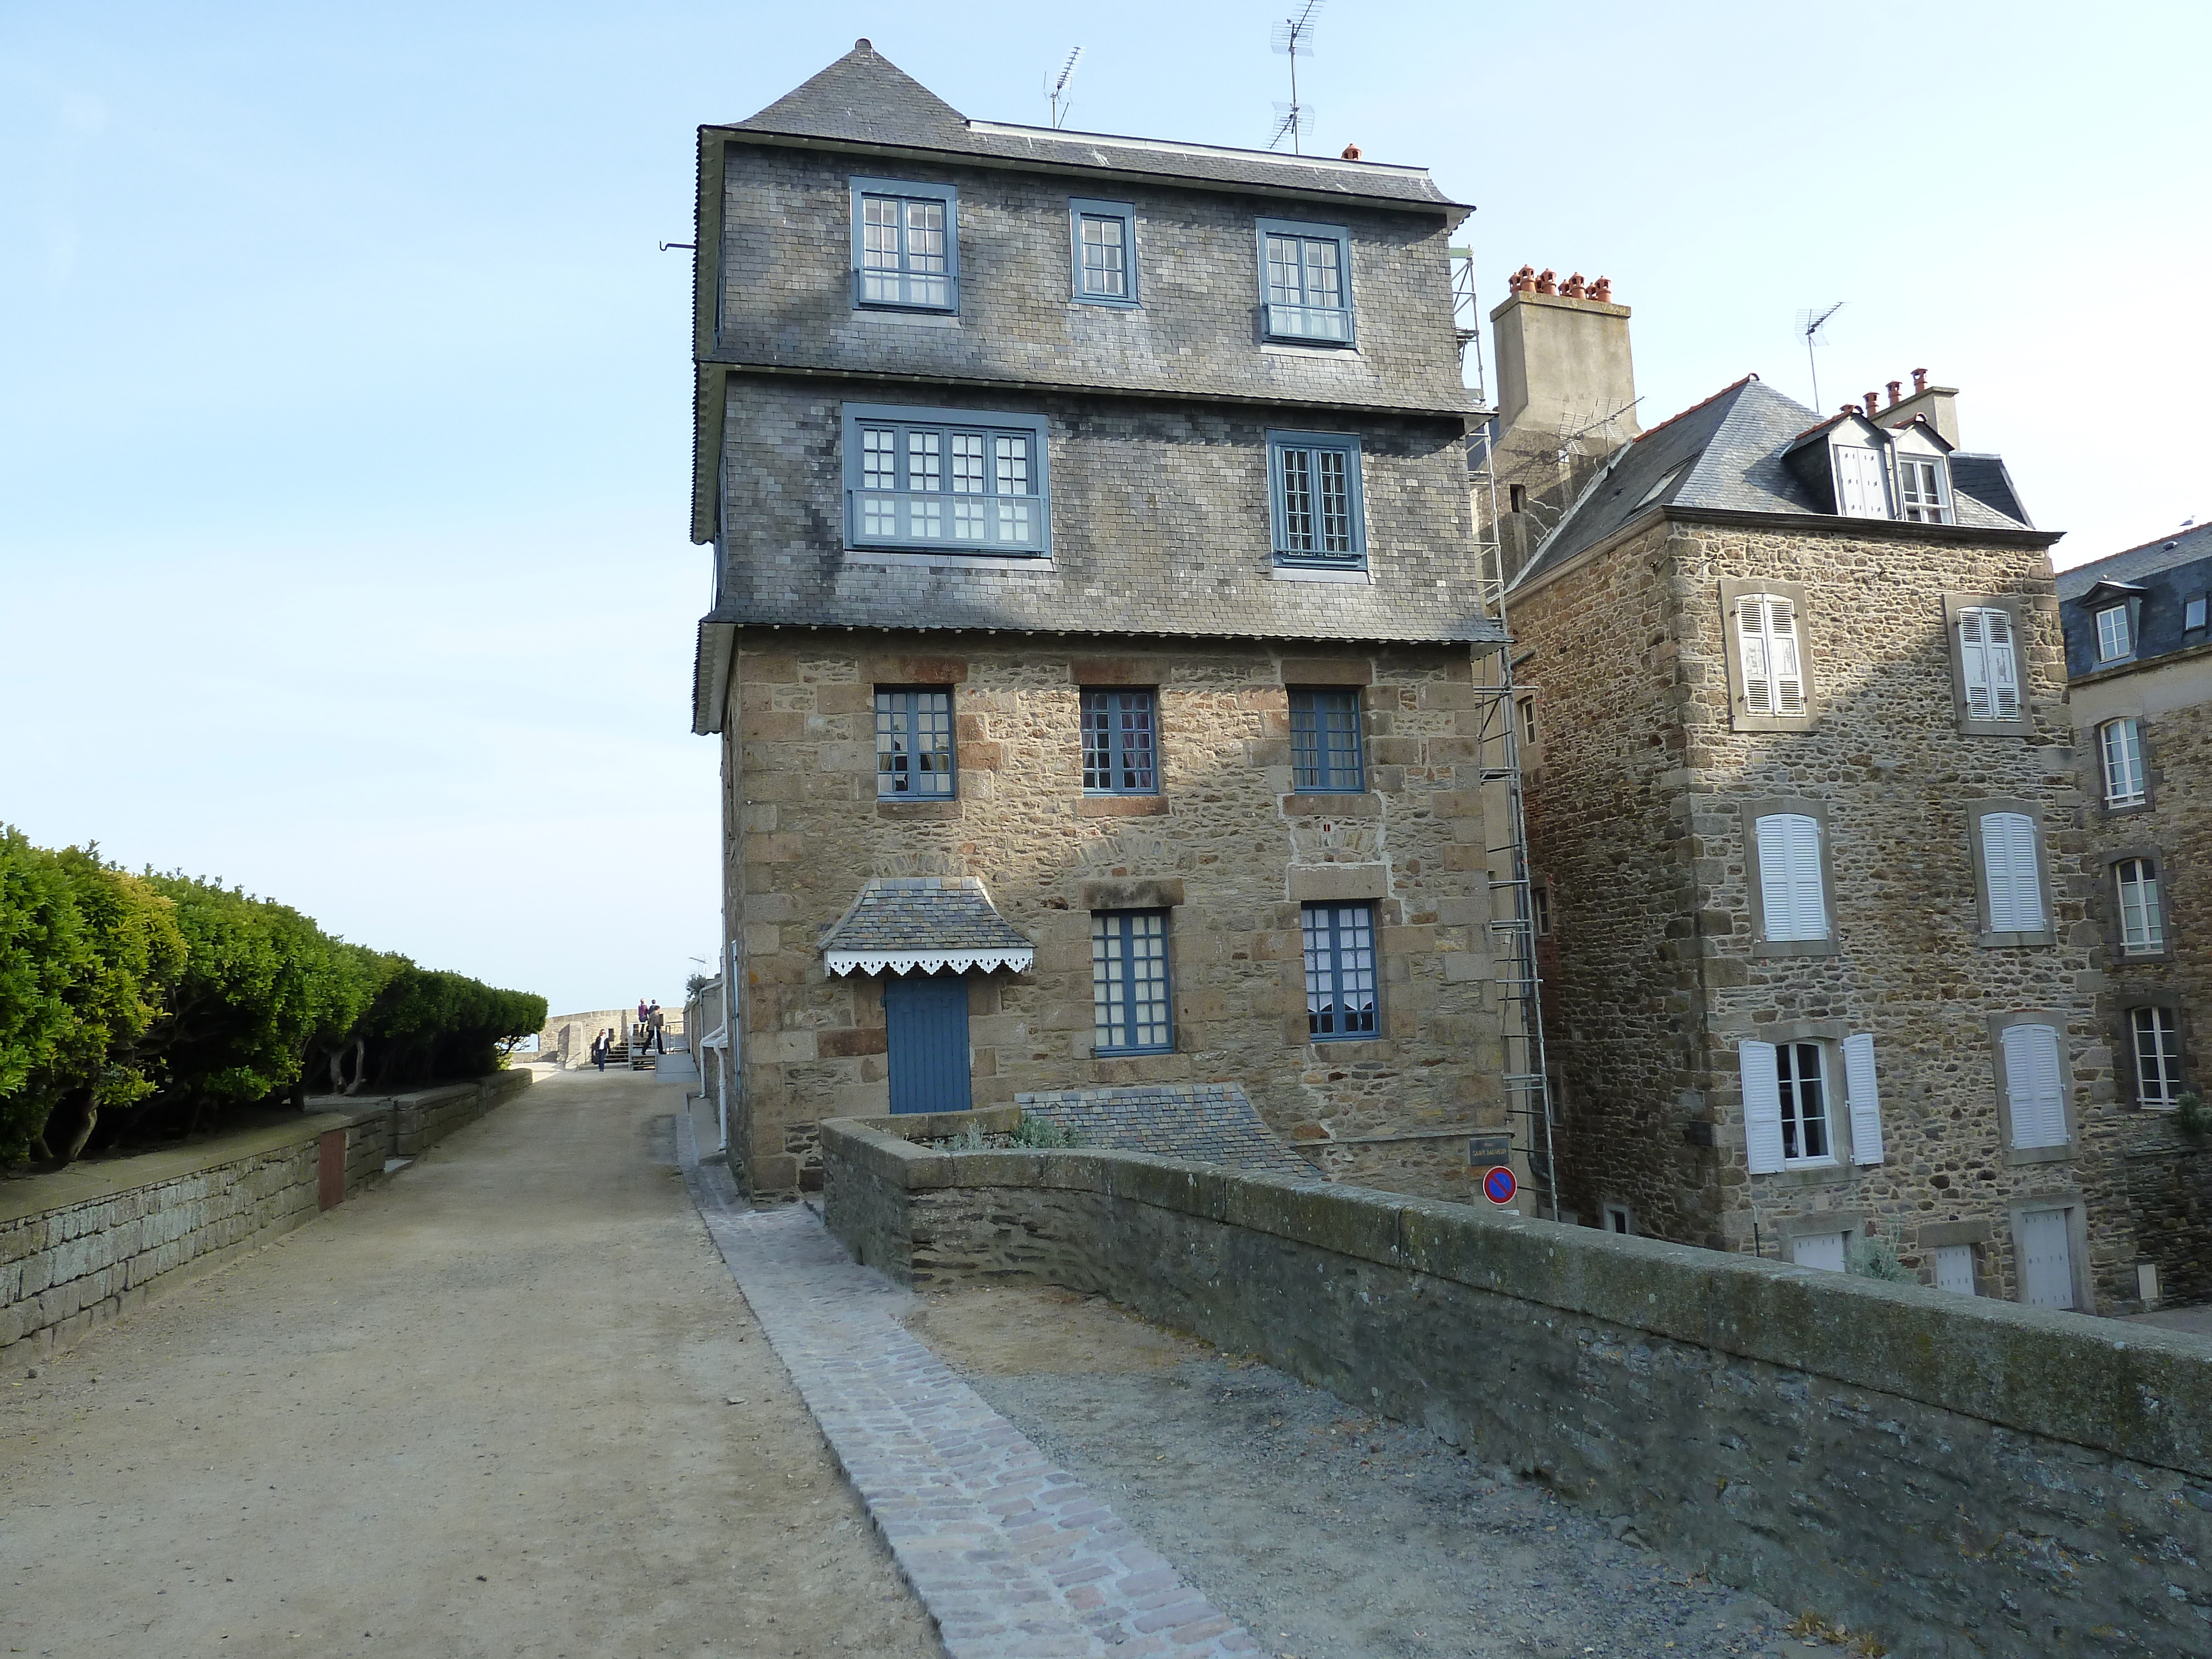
x=1791 y=896
x=2035 y=1090
x=1785 y=1106
x=1529 y=721
x=1989 y=663
x=2142 y=924
x=2193 y=612
x=1861 y=490
x=2120 y=743
x=2012 y=870
x=1773 y=669
x=1864 y=1097
x=1921 y=495
x=2157 y=1055
x=2114 y=637
x=1955 y=1268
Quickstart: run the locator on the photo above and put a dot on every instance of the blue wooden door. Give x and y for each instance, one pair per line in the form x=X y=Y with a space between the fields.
x=927 y=1015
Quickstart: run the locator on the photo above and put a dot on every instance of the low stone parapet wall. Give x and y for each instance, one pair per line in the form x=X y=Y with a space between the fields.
x=78 y=1246
x=1960 y=1476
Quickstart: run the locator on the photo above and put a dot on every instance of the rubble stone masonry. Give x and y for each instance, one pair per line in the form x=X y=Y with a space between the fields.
x=1225 y=847
x=2169 y=1177
x=1637 y=793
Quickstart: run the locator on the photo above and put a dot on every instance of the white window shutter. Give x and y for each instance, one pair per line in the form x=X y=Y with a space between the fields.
x=1865 y=1100
x=2034 y=1089
x=2003 y=663
x=2010 y=868
x=1782 y=654
x=1751 y=637
x=1762 y=1107
x=1790 y=887
x=1974 y=664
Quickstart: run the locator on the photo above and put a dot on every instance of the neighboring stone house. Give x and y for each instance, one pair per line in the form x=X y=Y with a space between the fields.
x=2139 y=663
x=1093 y=629
x=1803 y=812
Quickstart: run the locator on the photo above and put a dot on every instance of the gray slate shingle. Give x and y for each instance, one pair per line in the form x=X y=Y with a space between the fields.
x=1196 y=1123
x=911 y=914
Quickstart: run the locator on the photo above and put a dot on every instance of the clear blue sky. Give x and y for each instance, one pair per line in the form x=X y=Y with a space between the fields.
x=344 y=403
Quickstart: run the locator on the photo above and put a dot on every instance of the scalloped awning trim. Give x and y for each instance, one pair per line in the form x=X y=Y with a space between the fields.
x=927 y=962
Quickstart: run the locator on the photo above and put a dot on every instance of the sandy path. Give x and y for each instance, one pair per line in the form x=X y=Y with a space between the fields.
x=480 y=1410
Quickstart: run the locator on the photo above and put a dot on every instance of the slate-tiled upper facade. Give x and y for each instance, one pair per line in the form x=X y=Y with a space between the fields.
x=1156 y=416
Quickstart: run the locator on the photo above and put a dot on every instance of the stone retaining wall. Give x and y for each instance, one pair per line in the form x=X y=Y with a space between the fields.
x=79 y=1247
x=1961 y=1476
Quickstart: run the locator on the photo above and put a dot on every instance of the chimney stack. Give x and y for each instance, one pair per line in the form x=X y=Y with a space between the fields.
x=1873 y=405
x=1563 y=362
x=1936 y=404
x=1894 y=385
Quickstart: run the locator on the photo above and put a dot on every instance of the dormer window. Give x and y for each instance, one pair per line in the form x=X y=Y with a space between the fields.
x=1922 y=495
x=1305 y=282
x=2192 y=613
x=2115 y=639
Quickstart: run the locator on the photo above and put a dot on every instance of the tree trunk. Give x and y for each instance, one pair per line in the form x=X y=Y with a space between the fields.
x=360 y=1066
x=83 y=1131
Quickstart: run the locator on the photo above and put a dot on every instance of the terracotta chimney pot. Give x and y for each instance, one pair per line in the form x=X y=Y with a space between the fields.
x=1603 y=290
x=1920 y=380
x=1872 y=403
x=1547 y=280
x=1893 y=398
x=1351 y=152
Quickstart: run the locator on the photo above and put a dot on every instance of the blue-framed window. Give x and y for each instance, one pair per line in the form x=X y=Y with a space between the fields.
x=1102 y=249
x=1320 y=516
x=1305 y=282
x=1340 y=982
x=906 y=244
x=961 y=479
x=1121 y=753
x=1129 y=999
x=1325 y=749
x=913 y=743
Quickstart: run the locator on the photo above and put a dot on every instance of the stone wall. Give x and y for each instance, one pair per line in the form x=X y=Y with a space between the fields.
x=578 y=1031
x=1225 y=847
x=1638 y=825
x=79 y=1247
x=1959 y=1477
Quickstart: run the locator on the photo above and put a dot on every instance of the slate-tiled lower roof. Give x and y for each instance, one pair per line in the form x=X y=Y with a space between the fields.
x=1724 y=455
x=902 y=924
x=1196 y=1123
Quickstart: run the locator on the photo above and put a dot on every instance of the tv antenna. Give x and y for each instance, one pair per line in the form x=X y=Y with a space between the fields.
x=1809 y=324
x=1293 y=38
x=1059 y=91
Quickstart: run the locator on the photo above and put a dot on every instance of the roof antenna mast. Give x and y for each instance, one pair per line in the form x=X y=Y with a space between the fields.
x=1808 y=325
x=1293 y=38
x=1058 y=92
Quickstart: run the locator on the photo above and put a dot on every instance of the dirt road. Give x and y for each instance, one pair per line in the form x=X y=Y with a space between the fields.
x=481 y=1410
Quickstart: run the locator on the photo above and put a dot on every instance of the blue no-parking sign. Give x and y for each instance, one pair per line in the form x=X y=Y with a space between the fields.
x=1498 y=1185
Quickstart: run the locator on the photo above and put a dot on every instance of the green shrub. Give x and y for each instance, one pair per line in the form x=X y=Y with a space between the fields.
x=1044 y=1134
x=1875 y=1257
x=2192 y=1117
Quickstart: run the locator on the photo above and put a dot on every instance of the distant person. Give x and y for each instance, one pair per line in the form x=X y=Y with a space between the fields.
x=653 y=1018
x=643 y=1012
x=600 y=1044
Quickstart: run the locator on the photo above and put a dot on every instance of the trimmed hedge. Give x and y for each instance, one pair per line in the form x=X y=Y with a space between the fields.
x=135 y=1007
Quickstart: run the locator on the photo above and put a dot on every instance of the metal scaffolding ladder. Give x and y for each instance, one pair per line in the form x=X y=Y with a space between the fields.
x=1517 y=983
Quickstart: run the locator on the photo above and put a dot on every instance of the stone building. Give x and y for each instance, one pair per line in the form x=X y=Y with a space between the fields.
x=2139 y=664
x=1803 y=814
x=1092 y=636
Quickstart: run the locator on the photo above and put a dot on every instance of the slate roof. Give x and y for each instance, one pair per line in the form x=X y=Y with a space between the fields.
x=1725 y=455
x=865 y=97
x=1193 y=1123
x=925 y=916
x=2179 y=548
x=2164 y=574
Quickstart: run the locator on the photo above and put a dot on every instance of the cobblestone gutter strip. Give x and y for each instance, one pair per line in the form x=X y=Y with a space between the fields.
x=1013 y=1557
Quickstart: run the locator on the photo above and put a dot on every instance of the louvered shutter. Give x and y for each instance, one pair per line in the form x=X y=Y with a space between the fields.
x=2009 y=866
x=2004 y=665
x=1762 y=1107
x=1781 y=652
x=1789 y=887
x=1989 y=665
x=2035 y=1094
x=1865 y=1100
x=1751 y=636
